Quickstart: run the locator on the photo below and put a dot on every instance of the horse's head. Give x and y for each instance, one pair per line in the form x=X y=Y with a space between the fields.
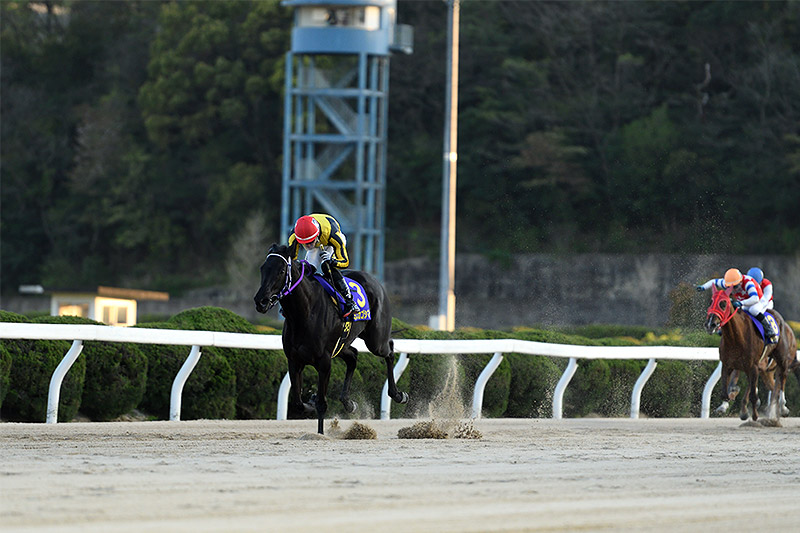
x=275 y=277
x=719 y=312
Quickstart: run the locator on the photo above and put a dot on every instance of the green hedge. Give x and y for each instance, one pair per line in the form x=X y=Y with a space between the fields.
x=533 y=379
x=210 y=391
x=258 y=372
x=116 y=373
x=5 y=373
x=32 y=365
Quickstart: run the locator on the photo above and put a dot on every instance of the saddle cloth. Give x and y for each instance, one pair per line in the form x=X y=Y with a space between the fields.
x=758 y=325
x=359 y=297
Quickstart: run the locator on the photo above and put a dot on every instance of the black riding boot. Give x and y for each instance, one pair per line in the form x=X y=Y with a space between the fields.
x=350 y=306
x=770 y=332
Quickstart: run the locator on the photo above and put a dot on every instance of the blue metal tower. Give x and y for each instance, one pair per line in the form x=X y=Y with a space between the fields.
x=335 y=118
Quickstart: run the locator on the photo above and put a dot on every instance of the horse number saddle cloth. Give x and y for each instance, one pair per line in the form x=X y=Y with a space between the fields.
x=359 y=297
x=759 y=327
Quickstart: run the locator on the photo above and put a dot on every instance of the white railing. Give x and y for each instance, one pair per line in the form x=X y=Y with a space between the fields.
x=197 y=339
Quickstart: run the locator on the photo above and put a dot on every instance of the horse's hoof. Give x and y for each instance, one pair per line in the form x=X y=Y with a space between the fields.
x=403 y=397
x=743 y=416
x=723 y=408
x=350 y=406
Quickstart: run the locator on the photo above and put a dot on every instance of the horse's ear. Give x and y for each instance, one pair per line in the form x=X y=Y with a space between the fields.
x=272 y=248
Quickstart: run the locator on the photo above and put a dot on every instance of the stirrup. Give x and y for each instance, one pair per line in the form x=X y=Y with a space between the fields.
x=349 y=311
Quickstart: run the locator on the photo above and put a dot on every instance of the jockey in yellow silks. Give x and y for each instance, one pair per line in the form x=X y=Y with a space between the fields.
x=326 y=249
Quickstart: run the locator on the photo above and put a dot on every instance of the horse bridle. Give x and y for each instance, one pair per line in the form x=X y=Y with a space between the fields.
x=288 y=287
x=724 y=315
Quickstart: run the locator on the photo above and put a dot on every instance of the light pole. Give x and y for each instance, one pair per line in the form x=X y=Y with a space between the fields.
x=447 y=266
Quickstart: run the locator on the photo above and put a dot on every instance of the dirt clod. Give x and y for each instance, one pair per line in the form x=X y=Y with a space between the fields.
x=360 y=431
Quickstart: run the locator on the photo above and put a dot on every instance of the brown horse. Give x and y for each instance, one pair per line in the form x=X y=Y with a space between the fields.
x=743 y=349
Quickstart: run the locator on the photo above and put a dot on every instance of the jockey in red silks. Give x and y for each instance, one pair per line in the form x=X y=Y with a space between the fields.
x=747 y=294
x=326 y=249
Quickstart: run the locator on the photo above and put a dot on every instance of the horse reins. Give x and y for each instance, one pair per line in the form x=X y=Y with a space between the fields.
x=287 y=286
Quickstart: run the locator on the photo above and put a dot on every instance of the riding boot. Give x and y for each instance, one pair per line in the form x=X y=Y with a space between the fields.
x=770 y=331
x=350 y=307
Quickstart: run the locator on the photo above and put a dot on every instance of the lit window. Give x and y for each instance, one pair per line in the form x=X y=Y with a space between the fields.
x=73 y=310
x=362 y=17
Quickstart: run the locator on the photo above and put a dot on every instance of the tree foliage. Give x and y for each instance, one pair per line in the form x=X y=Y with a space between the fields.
x=139 y=139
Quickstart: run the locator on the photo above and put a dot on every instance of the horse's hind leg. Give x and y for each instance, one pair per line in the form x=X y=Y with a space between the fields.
x=775 y=407
x=350 y=358
x=752 y=376
x=394 y=393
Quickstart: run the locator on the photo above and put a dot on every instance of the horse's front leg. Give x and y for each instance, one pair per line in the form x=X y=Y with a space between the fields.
x=350 y=358
x=324 y=376
x=297 y=408
x=725 y=390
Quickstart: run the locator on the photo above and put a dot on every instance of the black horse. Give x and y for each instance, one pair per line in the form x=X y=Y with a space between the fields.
x=314 y=332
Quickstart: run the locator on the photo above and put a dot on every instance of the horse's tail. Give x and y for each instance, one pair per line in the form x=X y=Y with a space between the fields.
x=795 y=366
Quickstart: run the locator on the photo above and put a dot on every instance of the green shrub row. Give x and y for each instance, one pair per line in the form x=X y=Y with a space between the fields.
x=109 y=380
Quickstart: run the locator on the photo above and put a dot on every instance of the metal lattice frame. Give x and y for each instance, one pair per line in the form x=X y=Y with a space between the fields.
x=335 y=129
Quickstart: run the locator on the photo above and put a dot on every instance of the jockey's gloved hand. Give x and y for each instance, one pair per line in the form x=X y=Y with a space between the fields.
x=737 y=304
x=326 y=255
x=700 y=288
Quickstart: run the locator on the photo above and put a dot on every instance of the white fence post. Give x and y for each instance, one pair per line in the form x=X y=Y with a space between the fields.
x=180 y=381
x=636 y=395
x=705 y=406
x=558 y=394
x=480 y=384
x=283 y=398
x=58 y=377
x=386 y=401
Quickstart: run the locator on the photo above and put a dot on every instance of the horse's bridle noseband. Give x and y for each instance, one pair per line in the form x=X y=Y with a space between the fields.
x=287 y=285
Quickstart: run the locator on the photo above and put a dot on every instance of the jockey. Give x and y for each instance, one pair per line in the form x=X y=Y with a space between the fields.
x=745 y=293
x=766 y=286
x=326 y=249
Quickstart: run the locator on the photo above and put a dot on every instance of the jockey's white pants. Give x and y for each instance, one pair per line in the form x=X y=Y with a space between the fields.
x=314 y=256
x=757 y=308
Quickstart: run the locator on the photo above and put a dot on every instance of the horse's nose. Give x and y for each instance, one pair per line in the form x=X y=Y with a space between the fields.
x=261 y=307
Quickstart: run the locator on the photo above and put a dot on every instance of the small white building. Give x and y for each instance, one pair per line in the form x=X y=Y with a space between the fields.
x=111 y=305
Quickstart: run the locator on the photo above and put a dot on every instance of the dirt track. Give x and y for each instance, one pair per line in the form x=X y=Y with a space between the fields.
x=523 y=475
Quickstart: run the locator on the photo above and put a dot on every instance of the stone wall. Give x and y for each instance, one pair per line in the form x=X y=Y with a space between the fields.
x=574 y=289
x=532 y=289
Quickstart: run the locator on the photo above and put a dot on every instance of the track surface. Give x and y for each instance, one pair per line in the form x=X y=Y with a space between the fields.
x=523 y=475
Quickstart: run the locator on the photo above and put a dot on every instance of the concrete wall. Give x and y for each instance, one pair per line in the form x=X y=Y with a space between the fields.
x=534 y=289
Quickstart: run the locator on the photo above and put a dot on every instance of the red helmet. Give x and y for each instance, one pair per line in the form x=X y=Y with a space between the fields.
x=306 y=229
